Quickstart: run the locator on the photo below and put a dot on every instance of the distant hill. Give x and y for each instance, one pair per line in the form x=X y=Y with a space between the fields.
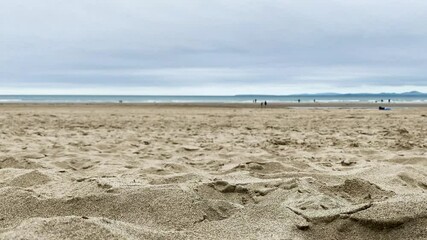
x=411 y=93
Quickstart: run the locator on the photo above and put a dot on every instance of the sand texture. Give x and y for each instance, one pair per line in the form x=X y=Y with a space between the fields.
x=168 y=172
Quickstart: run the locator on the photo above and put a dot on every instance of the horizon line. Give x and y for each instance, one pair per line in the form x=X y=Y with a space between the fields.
x=234 y=95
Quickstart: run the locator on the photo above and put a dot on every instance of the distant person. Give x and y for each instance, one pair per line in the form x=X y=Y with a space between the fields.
x=299 y=100
x=262 y=104
x=382 y=100
x=265 y=103
x=389 y=100
x=120 y=101
x=314 y=100
x=255 y=100
x=384 y=108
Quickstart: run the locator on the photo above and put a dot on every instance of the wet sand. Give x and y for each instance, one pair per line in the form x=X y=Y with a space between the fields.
x=213 y=171
x=344 y=105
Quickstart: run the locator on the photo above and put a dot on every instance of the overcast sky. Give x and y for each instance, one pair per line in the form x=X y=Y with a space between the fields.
x=217 y=47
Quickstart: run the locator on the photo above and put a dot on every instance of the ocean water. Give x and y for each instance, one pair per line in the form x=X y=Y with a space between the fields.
x=421 y=98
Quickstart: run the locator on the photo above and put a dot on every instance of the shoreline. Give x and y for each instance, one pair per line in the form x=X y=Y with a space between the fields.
x=224 y=105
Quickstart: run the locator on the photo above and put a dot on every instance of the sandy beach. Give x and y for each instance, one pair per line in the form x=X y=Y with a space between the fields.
x=192 y=171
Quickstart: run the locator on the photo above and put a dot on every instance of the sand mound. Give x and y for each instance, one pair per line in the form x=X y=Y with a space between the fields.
x=345 y=228
x=358 y=190
x=11 y=162
x=403 y=217
x=267 y=220
x=222 y=190
x=30 y=179
x=149 y=206
x=74 y=227
x=315 y=204
x=393 y=213
x=59 y=228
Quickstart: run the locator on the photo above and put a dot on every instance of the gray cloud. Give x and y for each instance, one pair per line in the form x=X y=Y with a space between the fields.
x=212 y=46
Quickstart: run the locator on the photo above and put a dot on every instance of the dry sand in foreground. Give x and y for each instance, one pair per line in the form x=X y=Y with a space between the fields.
x=147 y=172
